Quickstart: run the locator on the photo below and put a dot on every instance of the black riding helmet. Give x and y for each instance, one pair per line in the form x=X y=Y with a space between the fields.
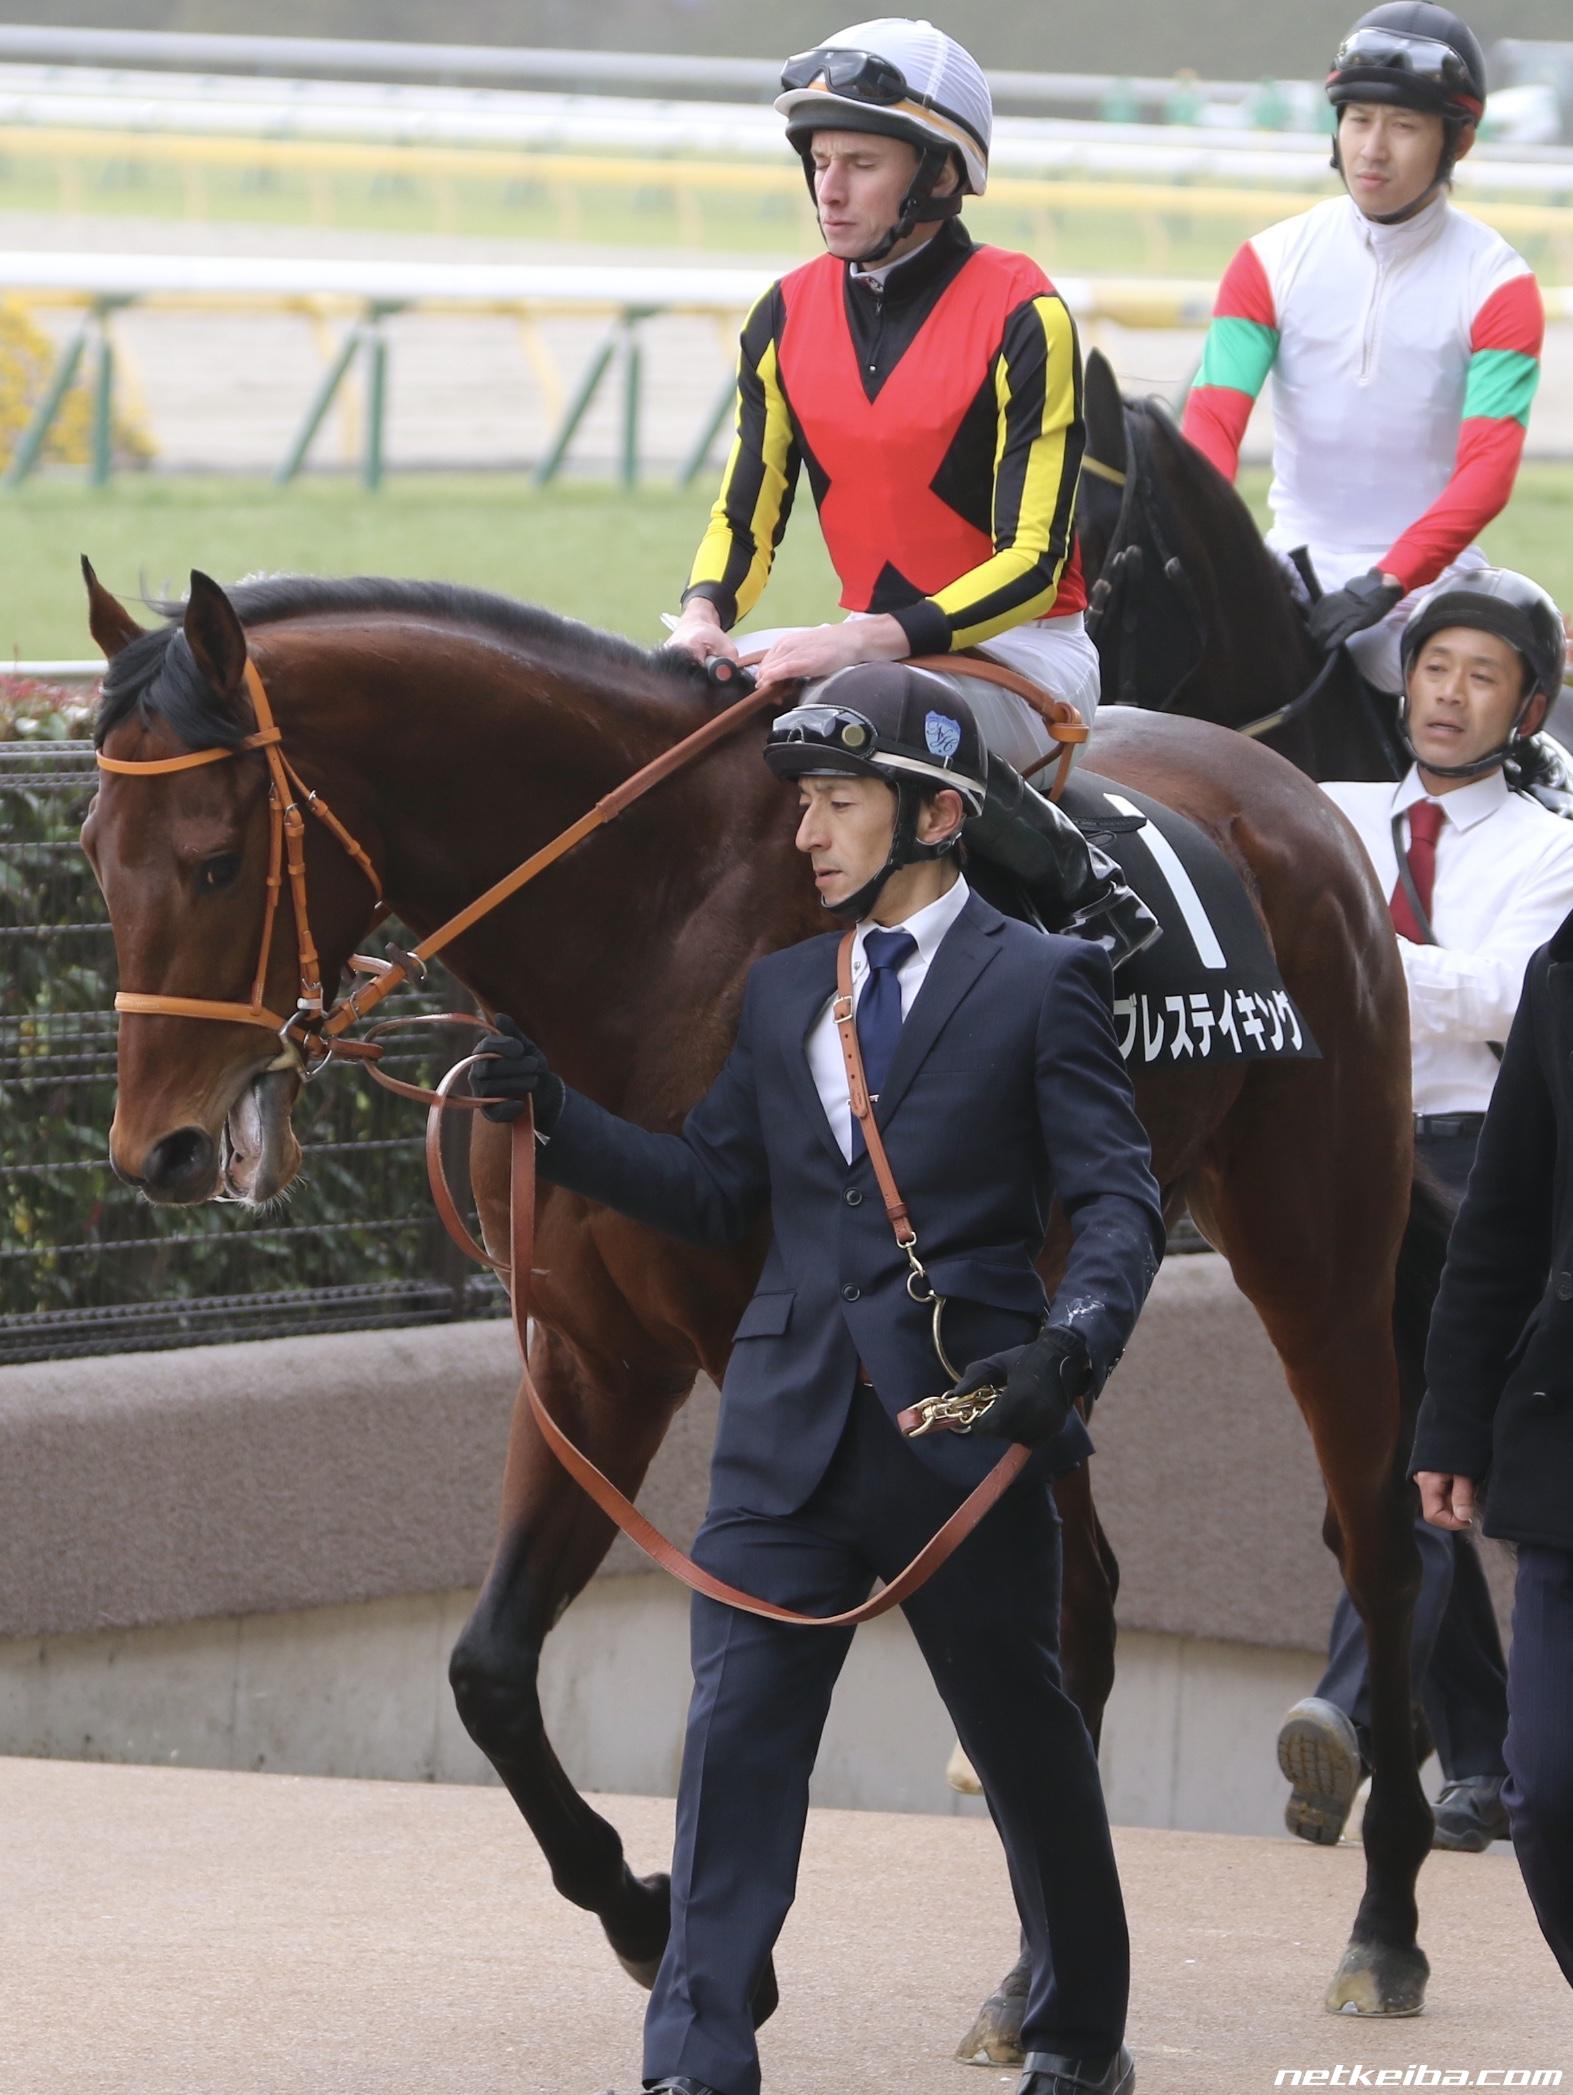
x=889 y=721
x=1417 y=56
x=1491 y=600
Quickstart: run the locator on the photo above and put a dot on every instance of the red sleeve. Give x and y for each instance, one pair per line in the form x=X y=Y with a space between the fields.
x=1504 y=367
x=1215 y=422
x=1237 y=356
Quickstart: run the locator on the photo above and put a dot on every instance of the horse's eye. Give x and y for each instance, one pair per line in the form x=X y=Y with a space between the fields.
x=218 y=872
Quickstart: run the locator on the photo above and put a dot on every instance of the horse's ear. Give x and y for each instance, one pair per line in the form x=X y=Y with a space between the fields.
x=1104 y=413
x=215 y=635
x=108 y=620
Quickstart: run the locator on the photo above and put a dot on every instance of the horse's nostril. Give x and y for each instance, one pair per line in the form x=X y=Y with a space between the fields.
x=180 y=1165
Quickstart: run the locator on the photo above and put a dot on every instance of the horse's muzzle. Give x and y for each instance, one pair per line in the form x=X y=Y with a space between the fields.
x=179 y=1170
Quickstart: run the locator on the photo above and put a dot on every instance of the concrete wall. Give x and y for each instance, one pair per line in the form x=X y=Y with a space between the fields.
x=259 y=1556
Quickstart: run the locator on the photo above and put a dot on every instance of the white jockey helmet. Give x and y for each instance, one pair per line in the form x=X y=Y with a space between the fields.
x=913 y=82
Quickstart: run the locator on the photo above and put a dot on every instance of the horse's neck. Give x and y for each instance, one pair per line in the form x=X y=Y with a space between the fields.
x=591 y=954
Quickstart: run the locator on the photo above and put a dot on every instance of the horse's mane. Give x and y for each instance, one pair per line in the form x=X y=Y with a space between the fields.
x=157 y=675
x=1216 y=507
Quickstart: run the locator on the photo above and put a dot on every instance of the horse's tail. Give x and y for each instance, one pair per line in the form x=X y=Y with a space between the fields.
x=1420 y=1259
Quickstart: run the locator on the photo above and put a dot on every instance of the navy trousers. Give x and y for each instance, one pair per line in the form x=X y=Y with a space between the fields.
x=1459 y=1671
x=988 y=1627
x=1539 y=1792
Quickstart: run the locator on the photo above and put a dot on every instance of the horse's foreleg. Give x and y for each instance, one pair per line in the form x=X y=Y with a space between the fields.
x=551 y=1541
x=1090 y=1580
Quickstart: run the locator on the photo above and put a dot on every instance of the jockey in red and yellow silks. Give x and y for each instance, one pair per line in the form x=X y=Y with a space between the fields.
x=931 y=391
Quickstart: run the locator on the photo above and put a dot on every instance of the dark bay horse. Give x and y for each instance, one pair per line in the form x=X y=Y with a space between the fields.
x=453 y=733
x=1192 y=612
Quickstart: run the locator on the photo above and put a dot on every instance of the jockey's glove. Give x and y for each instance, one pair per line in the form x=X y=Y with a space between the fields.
x=1038 y=1383
x=519 y=1074
x=1363 y=602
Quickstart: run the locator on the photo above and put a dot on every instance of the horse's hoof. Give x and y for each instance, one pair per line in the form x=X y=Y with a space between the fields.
x=961 y=1774
x=1377 y=1979
x=640 y=1947
x=995 y=2038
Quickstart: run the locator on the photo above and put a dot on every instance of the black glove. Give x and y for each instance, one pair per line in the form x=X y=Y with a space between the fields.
x=1347 y=611
x=1038 y=1384
x=520 y=1072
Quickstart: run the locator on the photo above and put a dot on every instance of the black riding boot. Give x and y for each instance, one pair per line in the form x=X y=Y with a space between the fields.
x=1074 y=887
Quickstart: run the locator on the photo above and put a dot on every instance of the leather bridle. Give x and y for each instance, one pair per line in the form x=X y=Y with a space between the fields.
x=287 y=794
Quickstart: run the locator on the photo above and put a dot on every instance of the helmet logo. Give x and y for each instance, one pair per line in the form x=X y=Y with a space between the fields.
x=943 y=735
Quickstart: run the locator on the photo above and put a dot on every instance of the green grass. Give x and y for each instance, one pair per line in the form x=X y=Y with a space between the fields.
x=614 y=559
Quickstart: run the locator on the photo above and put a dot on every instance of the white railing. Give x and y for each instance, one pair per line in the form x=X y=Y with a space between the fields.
x=362 y=296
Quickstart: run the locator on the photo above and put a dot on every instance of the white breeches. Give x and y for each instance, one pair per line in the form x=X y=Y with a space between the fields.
x=1054 y=652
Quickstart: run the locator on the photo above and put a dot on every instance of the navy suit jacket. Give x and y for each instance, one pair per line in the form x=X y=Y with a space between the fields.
x=1499 y=1358
x=1007 y=1090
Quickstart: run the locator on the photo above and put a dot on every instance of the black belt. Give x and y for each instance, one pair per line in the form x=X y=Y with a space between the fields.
x=1432 y=1124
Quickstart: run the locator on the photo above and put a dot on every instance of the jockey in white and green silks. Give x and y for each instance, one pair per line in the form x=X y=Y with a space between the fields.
x=1403 y=341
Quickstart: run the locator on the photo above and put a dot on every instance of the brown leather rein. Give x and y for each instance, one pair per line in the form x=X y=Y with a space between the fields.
x=313 y=1035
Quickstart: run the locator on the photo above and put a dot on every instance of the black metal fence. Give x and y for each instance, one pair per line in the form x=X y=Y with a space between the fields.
x=86 y=1266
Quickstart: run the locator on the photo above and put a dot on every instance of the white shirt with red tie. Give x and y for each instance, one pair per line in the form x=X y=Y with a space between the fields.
x=1504 y=882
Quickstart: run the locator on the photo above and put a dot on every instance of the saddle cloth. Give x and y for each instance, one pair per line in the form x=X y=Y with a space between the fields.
x=1209 y=990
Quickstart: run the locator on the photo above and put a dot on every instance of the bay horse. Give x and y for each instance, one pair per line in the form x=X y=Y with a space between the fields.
x=452 y=733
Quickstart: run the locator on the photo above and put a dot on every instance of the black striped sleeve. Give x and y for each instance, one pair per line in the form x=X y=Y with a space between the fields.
x=750 y=514
x=1037 y=390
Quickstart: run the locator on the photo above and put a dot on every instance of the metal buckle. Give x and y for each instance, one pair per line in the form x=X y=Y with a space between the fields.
x=959 y=1413
x=293 y=1050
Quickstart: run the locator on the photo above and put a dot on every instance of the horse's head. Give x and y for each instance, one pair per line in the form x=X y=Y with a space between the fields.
x=185 y=857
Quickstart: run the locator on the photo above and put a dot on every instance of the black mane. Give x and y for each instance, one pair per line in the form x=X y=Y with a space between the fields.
x=157 y=677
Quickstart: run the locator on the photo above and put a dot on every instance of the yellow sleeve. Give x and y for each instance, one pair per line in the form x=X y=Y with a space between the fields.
x=1037 y=462
x=750 y=514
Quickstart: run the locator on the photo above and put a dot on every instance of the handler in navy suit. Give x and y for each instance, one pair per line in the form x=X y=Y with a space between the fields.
x=1000 y=1088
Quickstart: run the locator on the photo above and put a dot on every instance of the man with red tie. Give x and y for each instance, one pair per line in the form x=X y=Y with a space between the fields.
x=1485 y=878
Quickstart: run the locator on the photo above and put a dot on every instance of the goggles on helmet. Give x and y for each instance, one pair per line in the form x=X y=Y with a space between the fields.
x=826 y=727
x=841 y=731
x=1424 y=58
x=863 y=76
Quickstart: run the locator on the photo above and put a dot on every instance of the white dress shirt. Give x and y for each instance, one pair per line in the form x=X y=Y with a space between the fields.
x=1504 y=882
x=826 y=1063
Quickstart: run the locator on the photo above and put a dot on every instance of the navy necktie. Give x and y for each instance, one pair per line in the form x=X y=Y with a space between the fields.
x=879 y=1013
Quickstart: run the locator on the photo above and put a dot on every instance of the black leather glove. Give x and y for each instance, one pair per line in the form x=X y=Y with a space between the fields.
x=1038 y=1384
x=1347 y=611
x=520 y=1072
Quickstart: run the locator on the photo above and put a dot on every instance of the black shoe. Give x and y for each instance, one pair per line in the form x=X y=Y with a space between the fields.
x=1050 y=2073
x=1470 y=1814
x=1319 y=1751
x=674 y=2084
x=1075 y=888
